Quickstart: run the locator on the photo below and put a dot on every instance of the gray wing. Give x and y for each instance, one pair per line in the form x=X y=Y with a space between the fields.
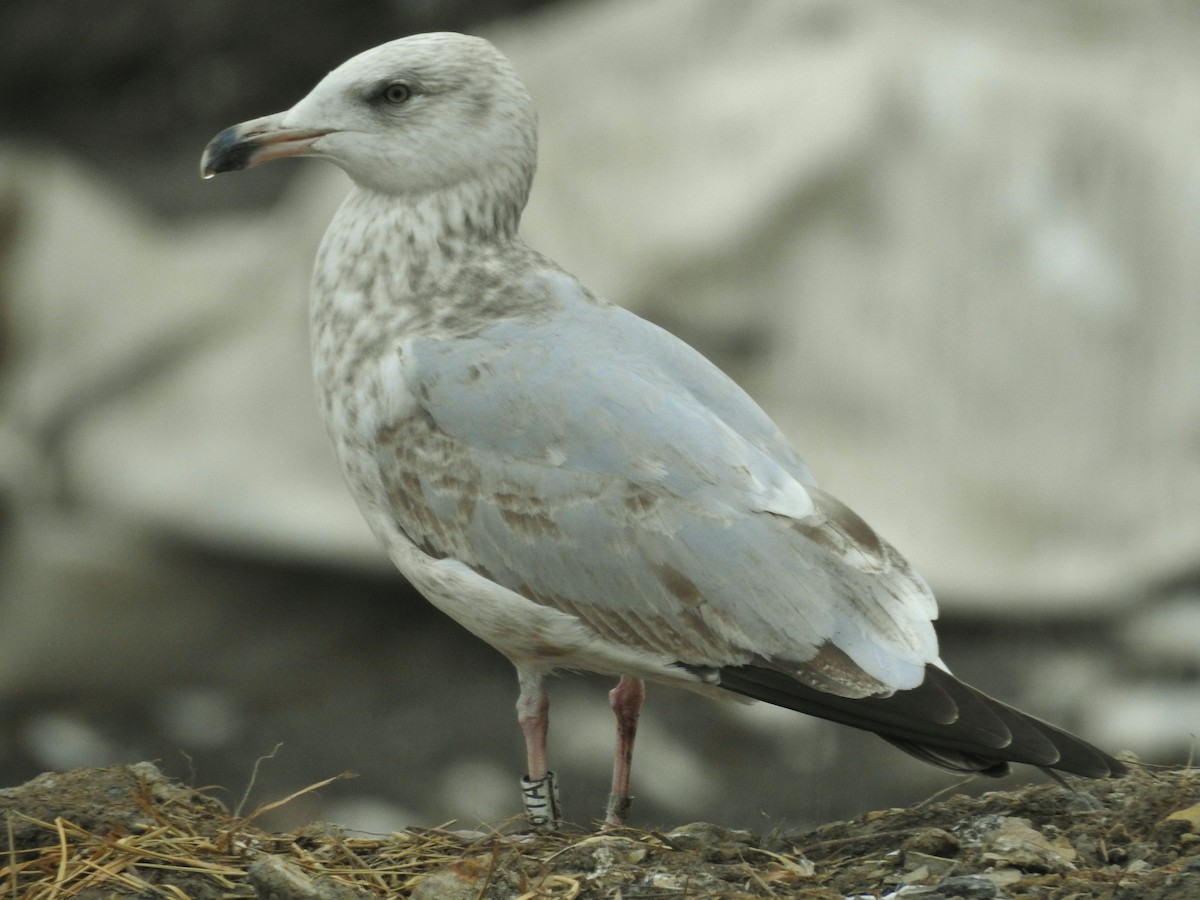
x=592 y=462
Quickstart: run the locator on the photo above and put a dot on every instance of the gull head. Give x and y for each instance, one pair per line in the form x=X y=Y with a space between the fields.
x=414 y=116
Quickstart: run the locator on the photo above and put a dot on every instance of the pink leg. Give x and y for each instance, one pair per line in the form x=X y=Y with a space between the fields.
x=537 y=787
x=533 y=712
x=626 y=701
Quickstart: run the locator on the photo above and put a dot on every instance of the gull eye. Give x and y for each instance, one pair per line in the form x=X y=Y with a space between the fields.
x=396 y=92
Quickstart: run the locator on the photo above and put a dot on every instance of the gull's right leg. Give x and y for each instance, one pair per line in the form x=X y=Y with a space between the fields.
x=538 y=787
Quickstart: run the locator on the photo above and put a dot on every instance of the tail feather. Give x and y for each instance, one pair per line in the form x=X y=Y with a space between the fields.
x=942 y=721
x=953 y=760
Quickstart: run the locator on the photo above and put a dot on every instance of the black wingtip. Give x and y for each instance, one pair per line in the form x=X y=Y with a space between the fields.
x=982 y=737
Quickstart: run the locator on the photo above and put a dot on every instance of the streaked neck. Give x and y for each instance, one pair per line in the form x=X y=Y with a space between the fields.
x=390 y=249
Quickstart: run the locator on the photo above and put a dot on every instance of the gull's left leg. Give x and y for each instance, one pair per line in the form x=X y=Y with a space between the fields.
x=626 y=701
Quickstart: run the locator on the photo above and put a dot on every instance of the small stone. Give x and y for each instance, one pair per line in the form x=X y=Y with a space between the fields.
x=1171 y=832
x=967 y=887
x=1118 y=834
x=665 y=881
x=1083 y=802
x=277 y=879
x=1191 y=816
x=459 y=881
x=1016 y=842
x=971 y=832
x=616 y=851
x=959 y=887
x=717 y=843
x=1001 y=877
x=937 y=866
x=933 y=842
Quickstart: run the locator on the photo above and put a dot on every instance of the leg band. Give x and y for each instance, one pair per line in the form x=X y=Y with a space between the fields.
x=541 y=802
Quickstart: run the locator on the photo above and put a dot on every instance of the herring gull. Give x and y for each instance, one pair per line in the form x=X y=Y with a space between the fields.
x=569 y=482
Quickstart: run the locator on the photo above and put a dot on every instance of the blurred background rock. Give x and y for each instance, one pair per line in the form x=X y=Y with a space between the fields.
x=951 y=247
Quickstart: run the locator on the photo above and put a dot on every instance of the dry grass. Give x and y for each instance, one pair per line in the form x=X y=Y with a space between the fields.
x=186 y=842
x=129 y=831
x=183 y=846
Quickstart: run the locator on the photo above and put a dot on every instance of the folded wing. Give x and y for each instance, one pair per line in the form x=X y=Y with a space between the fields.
x=646 y=494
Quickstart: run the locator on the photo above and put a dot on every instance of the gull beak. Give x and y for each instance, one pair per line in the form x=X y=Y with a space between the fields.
x=257 y=141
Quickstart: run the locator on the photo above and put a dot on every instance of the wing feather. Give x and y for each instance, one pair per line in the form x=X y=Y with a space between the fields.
x=645 y=493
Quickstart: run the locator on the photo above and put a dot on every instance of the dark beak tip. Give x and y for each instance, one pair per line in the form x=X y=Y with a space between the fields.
x=227 y=152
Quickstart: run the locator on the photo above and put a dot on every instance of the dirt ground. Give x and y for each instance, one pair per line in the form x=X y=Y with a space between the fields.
x=128 y=831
